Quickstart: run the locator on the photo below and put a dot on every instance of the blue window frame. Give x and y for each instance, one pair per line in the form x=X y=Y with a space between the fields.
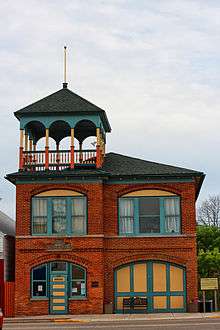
x=40 y=282
x=149 y=215
x=78 y=281
x=59 y=216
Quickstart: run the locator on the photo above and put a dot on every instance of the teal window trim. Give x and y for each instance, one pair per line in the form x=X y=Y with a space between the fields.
x=67 y=273
x=136 y=222
x=84 y=280
x=34 y=281
x=69 y=216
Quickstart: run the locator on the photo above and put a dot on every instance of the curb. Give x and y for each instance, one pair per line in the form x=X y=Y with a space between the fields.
x=72 y=319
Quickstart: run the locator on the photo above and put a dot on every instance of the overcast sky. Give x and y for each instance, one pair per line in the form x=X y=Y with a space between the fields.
x=154 y=66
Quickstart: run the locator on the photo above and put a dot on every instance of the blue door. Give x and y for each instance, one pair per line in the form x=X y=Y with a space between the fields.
x=58 y=288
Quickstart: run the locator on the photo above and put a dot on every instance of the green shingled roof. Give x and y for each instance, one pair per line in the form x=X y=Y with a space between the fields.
x=63 y=101
x=120 y=165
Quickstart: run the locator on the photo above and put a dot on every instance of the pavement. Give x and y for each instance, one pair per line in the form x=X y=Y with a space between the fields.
x=111 y=317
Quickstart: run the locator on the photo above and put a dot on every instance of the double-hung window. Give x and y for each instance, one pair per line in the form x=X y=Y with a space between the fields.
x=149 y=215
x=59 y=216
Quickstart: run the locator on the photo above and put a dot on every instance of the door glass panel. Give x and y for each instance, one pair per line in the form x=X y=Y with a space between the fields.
x=58 y=216
x=123 y=279
x=160 y=302
x=176 y=279
x=58 y=266
x=176 y=302
x=159 y=277
x=140 y=278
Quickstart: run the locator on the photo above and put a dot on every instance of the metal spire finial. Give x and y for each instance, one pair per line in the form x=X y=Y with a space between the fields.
x=65 y=83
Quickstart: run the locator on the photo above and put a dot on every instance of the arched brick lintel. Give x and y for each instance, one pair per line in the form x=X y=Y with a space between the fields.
x=74 y=187
x=153 y=256
x=165 y=187
x=56 y=256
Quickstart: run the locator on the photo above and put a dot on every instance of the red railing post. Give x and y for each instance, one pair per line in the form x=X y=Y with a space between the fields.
x=46 y=158
x=72 y=149
x=72 y=157
x=98 y=157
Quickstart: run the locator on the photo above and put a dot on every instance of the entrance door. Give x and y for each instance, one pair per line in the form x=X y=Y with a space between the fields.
x=58 y=288
x=58 y=294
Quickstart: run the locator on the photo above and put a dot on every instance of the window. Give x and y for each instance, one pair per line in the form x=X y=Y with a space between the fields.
x=39 y=281
x=59 y=216
x=149 y=215
x=40 y=216
x=74 y=279
x=78 y=283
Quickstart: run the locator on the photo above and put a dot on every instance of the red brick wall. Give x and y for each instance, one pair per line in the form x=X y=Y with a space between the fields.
x=102 y=250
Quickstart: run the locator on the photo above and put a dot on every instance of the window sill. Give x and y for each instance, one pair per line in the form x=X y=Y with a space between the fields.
x=78 y=298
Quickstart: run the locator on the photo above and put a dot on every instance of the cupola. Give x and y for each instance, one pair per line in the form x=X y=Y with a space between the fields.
x=59 y=115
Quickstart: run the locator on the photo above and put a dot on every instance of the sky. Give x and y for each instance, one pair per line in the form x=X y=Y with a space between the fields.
x=154 y=66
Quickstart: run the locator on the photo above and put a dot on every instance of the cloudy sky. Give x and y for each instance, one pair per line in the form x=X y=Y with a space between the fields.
x=154 y=66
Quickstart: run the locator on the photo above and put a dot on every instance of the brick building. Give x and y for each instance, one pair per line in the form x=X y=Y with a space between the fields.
x=94 y=228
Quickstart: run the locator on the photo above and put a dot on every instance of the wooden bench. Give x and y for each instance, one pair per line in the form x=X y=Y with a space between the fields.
x=134 y=303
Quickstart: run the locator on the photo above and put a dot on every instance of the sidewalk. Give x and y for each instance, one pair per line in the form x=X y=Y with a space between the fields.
x=110 y=317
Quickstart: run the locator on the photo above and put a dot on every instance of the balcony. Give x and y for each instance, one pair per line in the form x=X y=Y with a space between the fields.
x=58 y=160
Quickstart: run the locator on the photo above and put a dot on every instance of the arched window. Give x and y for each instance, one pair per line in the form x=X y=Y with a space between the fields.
x=149 y=212
x=59 y=212
x=74 y=279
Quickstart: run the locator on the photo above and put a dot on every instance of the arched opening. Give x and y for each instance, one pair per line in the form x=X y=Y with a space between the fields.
x=40 y=145
x=84 y=129
x=59 y=130
x=34 y=131
x=159 y=285
x=58 y=281
x=90 y=142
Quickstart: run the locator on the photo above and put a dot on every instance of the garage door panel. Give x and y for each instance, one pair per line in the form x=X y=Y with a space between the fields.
x=140 y=277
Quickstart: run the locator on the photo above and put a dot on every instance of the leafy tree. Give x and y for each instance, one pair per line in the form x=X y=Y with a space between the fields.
x=209 y=263
x=208 y=245
x=208 y=238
